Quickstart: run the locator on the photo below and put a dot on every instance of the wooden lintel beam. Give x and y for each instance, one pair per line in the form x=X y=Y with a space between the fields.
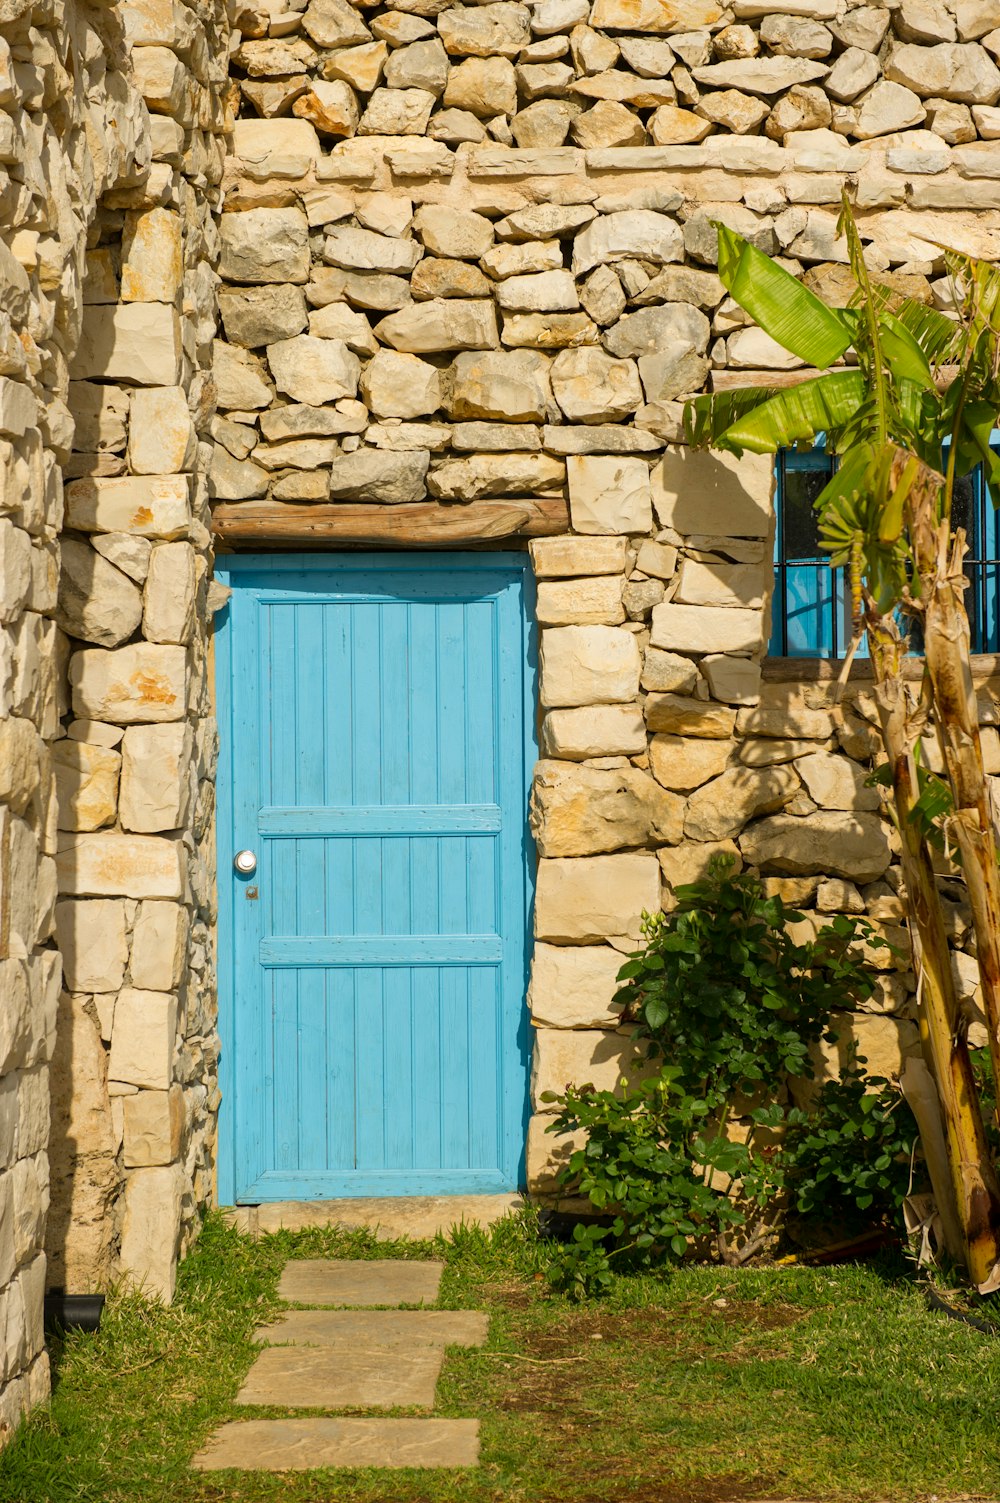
x=246 y=524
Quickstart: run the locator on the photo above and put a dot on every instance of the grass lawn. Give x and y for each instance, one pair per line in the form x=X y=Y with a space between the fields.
x=710 y=1385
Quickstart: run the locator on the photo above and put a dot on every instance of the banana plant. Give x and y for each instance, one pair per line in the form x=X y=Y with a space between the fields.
x=907 y=398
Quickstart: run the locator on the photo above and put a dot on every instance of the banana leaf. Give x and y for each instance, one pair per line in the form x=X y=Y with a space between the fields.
x=799 y=320
x=939 y=337
x=907 y=360
x=706 y=418
x=796 y=414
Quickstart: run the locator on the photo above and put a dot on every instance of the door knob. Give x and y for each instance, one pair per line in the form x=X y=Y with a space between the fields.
x=245 y=862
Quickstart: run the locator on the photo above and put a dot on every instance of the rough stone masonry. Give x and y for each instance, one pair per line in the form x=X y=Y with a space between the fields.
x=457 y=268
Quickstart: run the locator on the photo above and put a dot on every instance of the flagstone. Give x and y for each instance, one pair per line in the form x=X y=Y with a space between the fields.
x=391 y=1329
x=302 y=1445
x=343 y=1282
x=360 y=1377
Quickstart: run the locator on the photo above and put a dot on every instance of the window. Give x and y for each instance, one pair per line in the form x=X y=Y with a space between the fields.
x=811 y=609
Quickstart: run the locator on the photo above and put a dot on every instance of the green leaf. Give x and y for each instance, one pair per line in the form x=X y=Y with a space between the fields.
x=799 y=320
x=707 y=417
x=797 y=414
x=906 y=359
x=939 y=337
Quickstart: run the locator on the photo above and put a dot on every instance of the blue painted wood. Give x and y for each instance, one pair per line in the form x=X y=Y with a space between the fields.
x=376 y=714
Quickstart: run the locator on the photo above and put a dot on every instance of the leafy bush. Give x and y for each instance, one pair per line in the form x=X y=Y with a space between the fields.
x=730 y=1005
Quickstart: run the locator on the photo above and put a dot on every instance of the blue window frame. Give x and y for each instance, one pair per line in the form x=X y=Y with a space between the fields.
x=811 y=611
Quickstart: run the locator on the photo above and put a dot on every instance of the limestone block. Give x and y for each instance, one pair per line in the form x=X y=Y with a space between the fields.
x=686 y=762
x=254 y=139
x=143 y=1038
x=314 y=370
x=485 y=86
x=402 y=386
x=496 y=475
x=96 y=603
x=572 y=986
x=457 y=233
x=169 y=594
x=668 y=673
x=15 y=569
x=509 y=386
x=961 y=71
x=144 y=682
x=330 y=105
x=239 y=378
x=138 y=343
x=546 y=291
x=854 y=846
x=161 y=434
x=854 y=71
x=581 y=811
x=154 y=1124
x=583 y=1057
x=549 y=331
x=361 y=67
x=702 y=628
x=29 y=1180
x=683 y=864
x=17 y=1025
x=722 y=807
x=835 y=782
x=886 y=108
x=85 y=1179
x=609 y=494
x=369 y=475
x=86 y=786
x=594 y=731
x=884 y=1043
x=442 y=324
x=766 y=751
x=736 y=681
x=784 y=720
x=152 y=256
x=681 y=716
x=655 y=15
x=353 y=248
x=585 y=899
x=397 y=112
x=438 y=278
x=265 y=245
x=496 y=30
x=583 y=665
x=21 y=762
x=100 y=413
x=564 y=557
x=547 y=1154
x=254 y=316
x=338 y=321
x=112 y=865
x=152 y=1217
x=580 y=602
x=721 y=584
x=159 y=940
x=592 y=387
x=642 y=234
x=155 y=763
x=92 y=942
x=696 y=492
x=651 y=330
x=163 y=82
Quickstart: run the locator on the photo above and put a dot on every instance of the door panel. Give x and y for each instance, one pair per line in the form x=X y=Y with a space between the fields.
x=375 y=752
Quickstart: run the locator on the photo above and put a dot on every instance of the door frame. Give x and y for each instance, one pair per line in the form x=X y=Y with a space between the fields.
x=230 y=569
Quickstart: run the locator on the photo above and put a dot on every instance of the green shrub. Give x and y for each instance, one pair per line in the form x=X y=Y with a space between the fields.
x=729 y=1006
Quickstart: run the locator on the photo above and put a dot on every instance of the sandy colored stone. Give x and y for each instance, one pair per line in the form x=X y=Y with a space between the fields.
x=572 y=986
x=86 y=784
x=496 y=30
x=582 y=602
x=639 y=233
x=161 y=433
x=683 y=864
x=668 y=672
x=592 y=387
x=683 y=716
x=402 y=386
x=609 y=494
x=703 y=628
x=153 y=506
x=142 y=1043
x=445 y=324
x=169 y=593
x=435 y=277
x=388 y=1218
x=456 y=233
x=358 y=1377
x=389 y=1330
x=563 y=1057
x=136 y=343
x=485 y=86
x=469 y=478
x=96 y=603
x=154 y=785
x=154 y=1125
x=143 y=682
x=593 y=731
x=686 y=762
x=562 y=557
x=152 y=256
x=265 y=245
x=830 y=844
x=581 y=811
x=305 y=1444
x=330 y=105
x=93 y=944
x=239 y=378
x=369 y=475
x=546 y=1154
x=159 y=940
x=720 y=808
x=314 y=370
x=583 y=665
x=697 y=492
x=736 y=681
x=834 y=782
x=343 y=1282
x=961 y=71
x=107 y=864
x=151 y=1227
x=583 y=900
x=509 y=386
x=654 y=15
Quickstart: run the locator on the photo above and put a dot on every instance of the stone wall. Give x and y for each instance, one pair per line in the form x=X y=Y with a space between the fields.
x=468 y=258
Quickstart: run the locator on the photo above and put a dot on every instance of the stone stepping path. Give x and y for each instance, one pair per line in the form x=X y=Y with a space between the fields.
x=360 y=1352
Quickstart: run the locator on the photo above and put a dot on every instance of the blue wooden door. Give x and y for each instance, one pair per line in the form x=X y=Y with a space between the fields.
x=376 y=739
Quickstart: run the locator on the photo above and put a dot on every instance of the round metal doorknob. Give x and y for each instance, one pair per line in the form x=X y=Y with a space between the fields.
x=245 y=862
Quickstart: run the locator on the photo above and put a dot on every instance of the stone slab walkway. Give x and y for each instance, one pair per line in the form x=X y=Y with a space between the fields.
x=357 y=1355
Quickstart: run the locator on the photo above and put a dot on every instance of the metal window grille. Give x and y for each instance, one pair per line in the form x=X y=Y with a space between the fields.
x=811 y=610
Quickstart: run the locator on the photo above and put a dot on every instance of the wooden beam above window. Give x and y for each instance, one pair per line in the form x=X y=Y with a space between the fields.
x=248 y=524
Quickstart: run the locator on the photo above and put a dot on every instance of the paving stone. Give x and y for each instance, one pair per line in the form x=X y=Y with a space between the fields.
x=343 y=1282
x=355 y=1329
x=362 y=1377
x=302 y=1445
